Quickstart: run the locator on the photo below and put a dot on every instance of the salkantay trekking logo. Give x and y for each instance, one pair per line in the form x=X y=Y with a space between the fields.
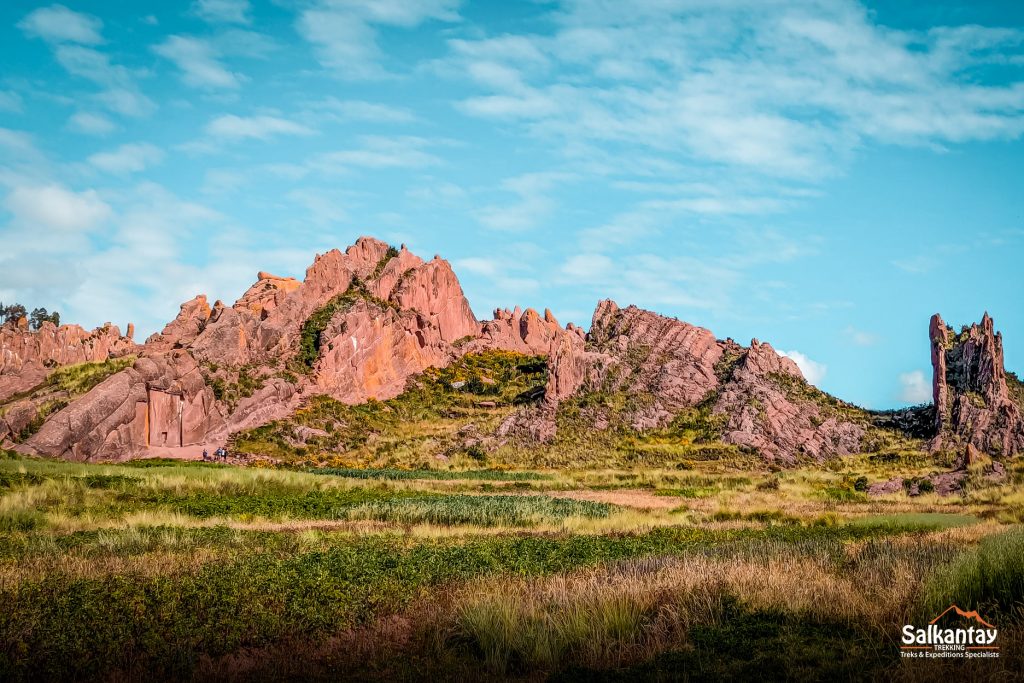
x=942 y=639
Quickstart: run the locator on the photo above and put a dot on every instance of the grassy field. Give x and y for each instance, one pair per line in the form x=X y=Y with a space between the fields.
x=182 y=570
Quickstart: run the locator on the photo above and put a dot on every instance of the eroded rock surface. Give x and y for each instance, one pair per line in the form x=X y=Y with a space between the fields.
x=26 y=357
x=676 y=366
x=973 y=404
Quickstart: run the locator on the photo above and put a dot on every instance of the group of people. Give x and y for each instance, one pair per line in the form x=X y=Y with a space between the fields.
x=219 y=454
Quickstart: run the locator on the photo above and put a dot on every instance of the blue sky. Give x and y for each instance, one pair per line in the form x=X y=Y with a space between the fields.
x=820 y=175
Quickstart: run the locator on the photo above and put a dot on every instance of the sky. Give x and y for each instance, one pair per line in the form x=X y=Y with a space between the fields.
x=822 y=175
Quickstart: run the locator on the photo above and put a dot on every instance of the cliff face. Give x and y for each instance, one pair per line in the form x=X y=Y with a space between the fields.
x=973 y=402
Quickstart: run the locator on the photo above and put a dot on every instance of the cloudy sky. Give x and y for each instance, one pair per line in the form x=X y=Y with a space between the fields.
x=820 y=174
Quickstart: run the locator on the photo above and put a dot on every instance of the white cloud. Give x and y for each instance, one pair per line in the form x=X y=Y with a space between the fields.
x=588 y=267
x=232 y=127
x=813 y=371
x=860 y=337
x=198 y=62
x=91 y=123
x=58 y=24
x=917 y=265
x=19 y=143
x=361 y=110
x=344 y=34
x=227 y=11
x=783 y=89
x=915 y=388
x=130 y=158
x=120 y=93
x=507 y=279
x=52 y=207
x=321 y=208
x=533 y=205
x=377 y=151
x=10 y=101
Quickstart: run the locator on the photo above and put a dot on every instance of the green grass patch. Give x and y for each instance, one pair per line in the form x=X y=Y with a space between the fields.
x=989 y=578
x=441 y=475
x=483 y=511
x=58 y=626
x=916 y=520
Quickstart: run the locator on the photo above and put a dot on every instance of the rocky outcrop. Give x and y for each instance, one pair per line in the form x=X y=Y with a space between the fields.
x=370 y=350
x=26 y=357
x=521 y=331
x=186 y=326
x=389 y=315
x=973 y=405
x=671 y=366
x=161 y=401
x=268 y=292
x=433 y=291
x=763 y=413
x=363 y=321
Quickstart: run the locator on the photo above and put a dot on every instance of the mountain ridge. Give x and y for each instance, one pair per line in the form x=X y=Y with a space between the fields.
x=362 y=323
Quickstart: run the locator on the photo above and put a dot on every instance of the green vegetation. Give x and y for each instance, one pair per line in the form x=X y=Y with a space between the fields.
x=182 y=570
x=396 y=474
x=316 y=323
x=799 y=390
x=82 y=377
x=383 y=262
x=423 y=422
x=61 y=386
x=989 y=578
x=233 y=385
x=1016 y=387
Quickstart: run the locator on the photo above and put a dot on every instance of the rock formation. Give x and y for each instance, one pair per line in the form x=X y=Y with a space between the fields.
x=674 y=366
x=356 y=327
x=973 y=403
x=162 y=400
x=521 y=331
x=363 y=321
x=26 y=357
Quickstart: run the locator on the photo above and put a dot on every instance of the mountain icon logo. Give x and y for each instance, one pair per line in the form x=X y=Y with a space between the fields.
x=973 y=614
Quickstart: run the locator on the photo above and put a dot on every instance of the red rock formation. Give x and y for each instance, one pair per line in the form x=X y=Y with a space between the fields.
x=369 y=351
x=520 y=331
x=392 y=315
x=54 y=346
x=403 y=316
x=183 y=330
x=675 y=366
x=266 y=294
x=387 y=279
x=26 y=357
x=433 y=291
x=762 y=414
x=969 y=388
x=160 y=401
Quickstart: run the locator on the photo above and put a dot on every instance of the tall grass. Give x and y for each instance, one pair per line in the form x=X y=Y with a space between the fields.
x=989 y=578
x=483 y=511
x=80 y=378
